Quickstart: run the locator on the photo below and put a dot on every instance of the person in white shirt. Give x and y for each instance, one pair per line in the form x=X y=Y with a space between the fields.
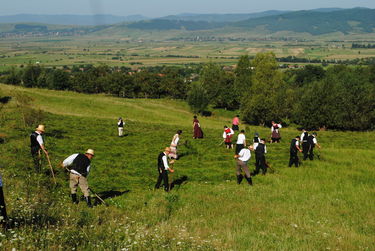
x=163 y=169
x=241 y=141
x=242 y=158
x=312 y=142
x=120 y=125
x=227 y=136
x=78 y=165
x=36 y=145
x=174 y=144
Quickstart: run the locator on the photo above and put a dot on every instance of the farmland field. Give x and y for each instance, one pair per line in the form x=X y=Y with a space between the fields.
x=326 y=204
x=135 y=52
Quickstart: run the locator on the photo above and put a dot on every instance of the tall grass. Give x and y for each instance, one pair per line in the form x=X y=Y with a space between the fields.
x=325 y=204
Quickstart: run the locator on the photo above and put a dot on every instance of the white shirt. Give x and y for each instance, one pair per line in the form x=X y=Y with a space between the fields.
x=244 y=154
x=175 y=140
x=165 y=162
x=272 y=129
x=241 y=138
x=119 y=122
x=69 y=161
x=39 y=138
x=302 y=135
x=315 y=140
x=229 y=133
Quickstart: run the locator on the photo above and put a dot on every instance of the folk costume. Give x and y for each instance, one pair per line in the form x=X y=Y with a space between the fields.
x=36 y=145
x=173 y=147
x=79 y=167
x=275 y=133
x=235 y=123
x=311 y=139
x=227 y=136
x=260 y=158
x=305 y=144
x=120 y=125
x=3 y=211
x=163 y=169
x=198 y=133
x=256 y=140
x=241 y=142
x=294 y=148
x=243 y=158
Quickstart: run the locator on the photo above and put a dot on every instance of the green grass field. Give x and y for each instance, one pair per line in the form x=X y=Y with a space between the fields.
x=326 y=204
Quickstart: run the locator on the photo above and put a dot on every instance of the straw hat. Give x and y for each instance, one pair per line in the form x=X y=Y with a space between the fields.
x=90 y=151
x=167 y=149
x=40 y=128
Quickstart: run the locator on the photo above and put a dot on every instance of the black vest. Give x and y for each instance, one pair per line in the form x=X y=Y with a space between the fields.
x=80 y=164
x=310 y=140
x=160 y=161
x=293 y=147
x=121 y=124
x=305 y=137
x=260 y=150
x=34 y=144
x=256 y=140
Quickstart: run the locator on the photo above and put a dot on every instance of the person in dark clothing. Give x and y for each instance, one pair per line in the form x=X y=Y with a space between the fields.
x=79 y=170
x=305 y=144
x=312 y=143
x=163 y=169
x=37 y=145
x=260 y=158
x=294 y=148
x=3 y=211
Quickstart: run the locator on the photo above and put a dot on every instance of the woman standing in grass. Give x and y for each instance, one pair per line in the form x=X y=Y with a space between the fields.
x=174 y=143
x=198 y=133
x=275 y=133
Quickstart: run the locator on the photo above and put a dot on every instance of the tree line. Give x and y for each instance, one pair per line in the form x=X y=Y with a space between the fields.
x=337 y=97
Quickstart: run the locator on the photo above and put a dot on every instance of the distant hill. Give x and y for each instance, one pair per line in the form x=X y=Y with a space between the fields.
x=163 y=24
x=316 y=23
x=222 y=17
x=70 y=19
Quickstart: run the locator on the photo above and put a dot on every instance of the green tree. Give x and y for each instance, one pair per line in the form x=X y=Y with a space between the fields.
x=197 y=97
x=30 y=75
x=264 y=100
x=242 y=82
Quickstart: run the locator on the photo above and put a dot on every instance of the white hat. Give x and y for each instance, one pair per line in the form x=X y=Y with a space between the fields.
x=40 y=128
x=90 y=151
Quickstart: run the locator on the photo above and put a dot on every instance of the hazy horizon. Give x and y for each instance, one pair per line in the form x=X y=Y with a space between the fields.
x=153 y=8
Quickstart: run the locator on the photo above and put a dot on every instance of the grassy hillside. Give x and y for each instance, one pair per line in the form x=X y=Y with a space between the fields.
x=326 y=204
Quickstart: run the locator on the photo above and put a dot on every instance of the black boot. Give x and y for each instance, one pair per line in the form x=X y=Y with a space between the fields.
x=249 y=180
x=88 y=201
x=239 y=179
x=74 y=198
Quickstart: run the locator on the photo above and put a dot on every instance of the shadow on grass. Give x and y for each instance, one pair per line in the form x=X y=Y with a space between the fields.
x=107 y=195
x=178 y=182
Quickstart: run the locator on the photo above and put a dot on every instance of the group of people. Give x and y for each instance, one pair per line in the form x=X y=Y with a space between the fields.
x=308 y=143
x=77 y=164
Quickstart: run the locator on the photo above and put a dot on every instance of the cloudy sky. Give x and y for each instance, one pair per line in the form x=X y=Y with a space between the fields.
x=157 y=8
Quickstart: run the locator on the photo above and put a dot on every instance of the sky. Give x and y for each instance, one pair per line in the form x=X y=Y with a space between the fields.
x=158 y=8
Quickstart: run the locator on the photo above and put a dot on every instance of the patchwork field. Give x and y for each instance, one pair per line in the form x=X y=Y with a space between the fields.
x=326 y=204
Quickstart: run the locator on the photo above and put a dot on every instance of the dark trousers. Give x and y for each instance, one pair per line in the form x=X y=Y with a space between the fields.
x=260 y=163
x=3 y=211
x=293 y=159
x=163 y=176
x=305 y=150
x=239 y=148
x=311 y=153
x=35 y=154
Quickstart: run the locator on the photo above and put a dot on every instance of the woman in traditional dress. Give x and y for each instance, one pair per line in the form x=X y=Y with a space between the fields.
x=275 y=136
x=198 y=133
x=174 y=144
